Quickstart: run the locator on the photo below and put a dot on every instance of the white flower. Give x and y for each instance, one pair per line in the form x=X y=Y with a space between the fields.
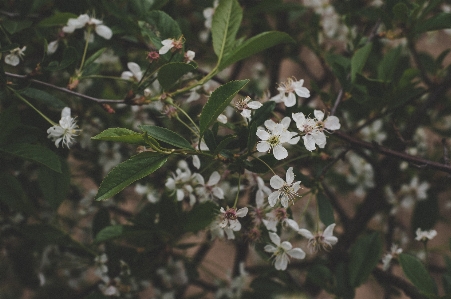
x=150 y=193
x=52 y=47
x=426 y=235
x=282 y=252
x=244 y=105
x=181 y=183
x=330 y=123
x=14 y=56
x=169 y=44
x=66 y=130
x=394 y=253
x=312 y=134
x=85 y=20
x=261 y=191
x=196 y=161
x=273 y=138
x=189 y=56
x=222 y=118
x=288 y=89
x=413 y=192
x=286 y=191
x=323 y=240
x=209 y=190
x=228 y=221
x=134 y=74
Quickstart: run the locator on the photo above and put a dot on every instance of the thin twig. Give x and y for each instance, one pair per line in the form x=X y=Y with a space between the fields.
x=65 y=90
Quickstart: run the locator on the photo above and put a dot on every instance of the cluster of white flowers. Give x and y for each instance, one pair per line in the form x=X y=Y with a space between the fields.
x=274 y=136
x=185 y=184
x=65 y=131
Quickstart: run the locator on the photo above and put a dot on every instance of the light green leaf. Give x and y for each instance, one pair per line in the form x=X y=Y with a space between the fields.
x=225 y=24
x=128 y=172
x=364 y=257
x=437 y=22
x=34 y=153
x=170 y=73
x=109 y=232
x=218 y=101
x=326 y=211
x=359 y=59
x=417 y=273
x=254 y=45
x=43 y=97
x=388 y=65
x=167 y=136
x=121 y=135
x=58 y=19
x=54 y=185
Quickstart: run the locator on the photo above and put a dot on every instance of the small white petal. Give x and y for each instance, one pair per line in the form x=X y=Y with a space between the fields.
x=280 y=152
x=262 y=134
x=272 y=198
x=281 y=262
x=290 y=100
x=332 y=123
x=274 y=238
x=196 y=161
x=242 y=212
x=276 y=182
x=254 y=104
x=290 y=176
x=296 y=253
x=263 y=146
x=104 y=31
x=286 y=245
x=214 y=178
x=293 y=224
x=305 y=233
x=318 y=114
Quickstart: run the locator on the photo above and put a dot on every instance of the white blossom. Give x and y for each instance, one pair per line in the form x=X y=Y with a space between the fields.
x=324 y=240
x=374 y=132
x=282 y=251
x=171 y=44
x=181 y=183
x=228 y=222
x=134 y=74
x=189 y=56
x=52 y=47
x=426 y=235
x=245 y=105
x=210 y=189
x=274 y=137
x=394 y=253
x=85 y=20
x=413 y=192
x=65 y=131
x=287 y=91
x=14 y=56
x=285 y=190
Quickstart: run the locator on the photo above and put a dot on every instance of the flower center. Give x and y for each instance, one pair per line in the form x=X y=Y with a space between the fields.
x=231 y=214
x=273 y=140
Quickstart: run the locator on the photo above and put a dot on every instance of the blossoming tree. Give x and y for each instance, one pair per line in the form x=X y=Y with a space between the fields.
x=139 y=136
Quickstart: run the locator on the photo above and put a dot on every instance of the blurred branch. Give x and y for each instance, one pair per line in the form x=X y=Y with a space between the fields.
x=400 y=155
x=62 y=89
x=398 y=282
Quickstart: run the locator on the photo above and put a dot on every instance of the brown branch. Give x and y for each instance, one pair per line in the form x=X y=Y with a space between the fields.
x=388 y=152
x=65 y=90
x=398 y=282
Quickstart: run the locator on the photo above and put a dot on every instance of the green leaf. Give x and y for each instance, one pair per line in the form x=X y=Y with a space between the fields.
x=94 y=56
x=252 y=139
x=109 y=232
x=401 y=12
x=258 y=166
x=388 y=65
x=54 y=185
x=263 y=113
x=70 y=56
x=359 y=59
x=218 y=101
x=15 y=26
x=34 y=153
x=43 y=98
x=57 y=19
x=167 y=136
x=12 y=194
x=9 y=47
x=158 y=26
x=437 y=22
x=9 y=121
x=425 y=214
x=200 y=216
x=225 y=24
x=128 y=172
x=417 y=273
x=254 y=45
x=364 y=256
x=224 y=142
x=210 y=141
x=170 y=73
x=121 y=135
x=326 y=211
x=100 y=221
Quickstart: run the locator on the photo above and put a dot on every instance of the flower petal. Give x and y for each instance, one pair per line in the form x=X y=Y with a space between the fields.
x=274 y=238
x=104 y=31
x=296 y=253
x=290 y=176
x=305 y=233
x=276 y=182
x=281 y=262
x=280 y=152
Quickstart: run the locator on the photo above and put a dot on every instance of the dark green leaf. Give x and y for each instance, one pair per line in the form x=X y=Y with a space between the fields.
x=167 y=136
x=170 y=73
x=225 y=24
x=425 y=214
x=254 y=45
x=389 y=63
x=43 y=98
x=9 y=121
x=343 y=287
x=57 y=19
x=224 y=142
x=320 y=275
x=437 y=22
x=258 y=166
x=128 y=172
x=9 y=47
x=417 y=273
x=94 y=56
x=15 y=26
x=121 y=135
x=263 y=113
x=364 y=256
x=70 y=56
x=100 y=221
x=218 y=101
x=12 y=194
x=401 y=12
x=54 y=185
x=34 y=153
x=158 y=26
x=210 y=141
x=120 y=231
x=200 y=216
x=326 y=211
x=359 y=59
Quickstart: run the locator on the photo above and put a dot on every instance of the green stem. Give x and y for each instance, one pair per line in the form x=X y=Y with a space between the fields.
x=189 y=118
x=186 y=125
x=238 y=192
x=104 y=77
x=85 y=50
x=31 y=105
x=265 y=164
